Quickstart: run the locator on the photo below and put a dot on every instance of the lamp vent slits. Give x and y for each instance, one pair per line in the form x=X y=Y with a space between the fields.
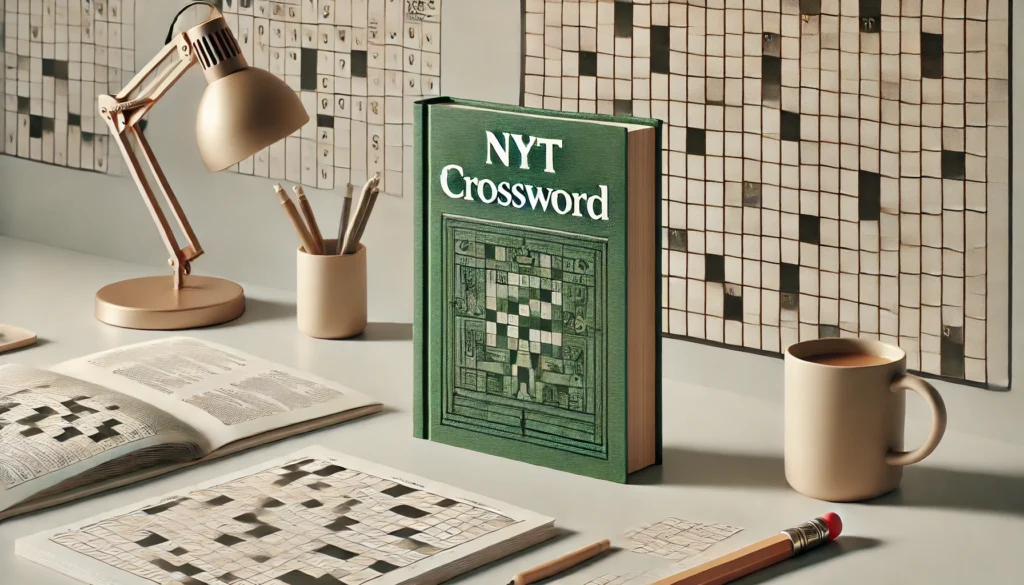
x=216 y=47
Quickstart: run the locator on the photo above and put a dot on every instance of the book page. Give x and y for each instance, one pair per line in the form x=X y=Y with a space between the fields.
x=53 y=428
x=226 y=394
x=313 y=517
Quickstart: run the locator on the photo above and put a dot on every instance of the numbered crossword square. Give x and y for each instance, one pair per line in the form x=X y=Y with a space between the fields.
x=58 y=55
x=358 y=66
x=830 y=168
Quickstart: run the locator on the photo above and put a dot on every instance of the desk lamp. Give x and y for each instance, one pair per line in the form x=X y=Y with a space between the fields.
x=243 y=110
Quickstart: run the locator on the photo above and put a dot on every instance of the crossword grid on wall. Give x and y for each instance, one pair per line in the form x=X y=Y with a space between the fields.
x=58 y=56
x=831 y=167
x=358 y=66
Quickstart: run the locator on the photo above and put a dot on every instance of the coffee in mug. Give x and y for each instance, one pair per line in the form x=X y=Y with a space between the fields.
x=848 y=360
x=844 y=418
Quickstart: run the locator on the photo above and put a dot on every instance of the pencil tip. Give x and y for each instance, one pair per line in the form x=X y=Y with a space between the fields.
x=278 y=187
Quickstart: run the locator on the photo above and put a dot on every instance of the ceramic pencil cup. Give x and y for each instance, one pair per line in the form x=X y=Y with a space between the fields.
x=331 y=293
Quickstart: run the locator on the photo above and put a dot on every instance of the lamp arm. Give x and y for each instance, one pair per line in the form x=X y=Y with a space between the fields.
x=123 y=116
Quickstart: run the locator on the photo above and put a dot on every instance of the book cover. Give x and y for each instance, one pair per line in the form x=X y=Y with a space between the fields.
x=521 y=283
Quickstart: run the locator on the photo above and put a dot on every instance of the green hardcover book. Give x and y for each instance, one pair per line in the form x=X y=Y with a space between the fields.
x=538 y=254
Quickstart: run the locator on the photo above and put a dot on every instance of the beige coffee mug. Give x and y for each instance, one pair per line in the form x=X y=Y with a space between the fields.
x=331 y=293
x=844 y=424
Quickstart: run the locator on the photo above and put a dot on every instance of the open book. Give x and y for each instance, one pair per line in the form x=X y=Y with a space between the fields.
x=135 y=412
x=314 y=518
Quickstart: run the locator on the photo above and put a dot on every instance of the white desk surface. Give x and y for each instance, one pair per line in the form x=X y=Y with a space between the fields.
x=959 y=517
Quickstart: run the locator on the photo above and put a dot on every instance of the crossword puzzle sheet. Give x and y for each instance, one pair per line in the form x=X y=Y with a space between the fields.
x=358 y=66
x=311 y=519
x=677 y=539
x=832 y=168
x=58 y=56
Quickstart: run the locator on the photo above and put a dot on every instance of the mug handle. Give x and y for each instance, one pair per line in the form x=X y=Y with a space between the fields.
x=934 y=400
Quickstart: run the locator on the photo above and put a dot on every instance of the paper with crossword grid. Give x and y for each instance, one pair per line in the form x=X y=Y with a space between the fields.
x=313 y=518
x=686 y=542
x=358 y=67
x=677 y=539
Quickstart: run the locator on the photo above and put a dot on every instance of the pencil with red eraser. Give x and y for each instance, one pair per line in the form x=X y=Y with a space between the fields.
x=784 y=545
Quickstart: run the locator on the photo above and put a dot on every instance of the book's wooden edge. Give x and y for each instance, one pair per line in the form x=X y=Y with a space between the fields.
x=641 y=301
x=152 y=472
x=658 y=126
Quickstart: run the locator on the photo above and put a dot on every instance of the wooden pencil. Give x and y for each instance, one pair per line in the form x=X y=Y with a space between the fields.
x=307 y=214
x=366 y=216
x=761 y=554
x=293 y=215
x=357 y=217
x=561 y=564
x=346 y=210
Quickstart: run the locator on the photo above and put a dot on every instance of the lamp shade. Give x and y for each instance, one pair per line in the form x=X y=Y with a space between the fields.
x=243 y=113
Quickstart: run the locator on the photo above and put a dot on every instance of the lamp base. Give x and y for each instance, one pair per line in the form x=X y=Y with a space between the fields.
x=153 y=303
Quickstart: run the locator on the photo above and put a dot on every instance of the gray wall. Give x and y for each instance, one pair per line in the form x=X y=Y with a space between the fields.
x=247 y=238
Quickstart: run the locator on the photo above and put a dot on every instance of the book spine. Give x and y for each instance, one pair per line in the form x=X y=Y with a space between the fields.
x=421 y=401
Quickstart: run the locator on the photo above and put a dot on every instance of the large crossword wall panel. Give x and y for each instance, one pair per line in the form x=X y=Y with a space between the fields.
x=58 y=56
x=358 y=65
x=832 y=167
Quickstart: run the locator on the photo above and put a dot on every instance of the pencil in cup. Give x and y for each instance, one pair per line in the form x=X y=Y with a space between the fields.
x=366 y=215
x=357 y=223
x=293 y=214
x=346 y=211
x=307 y=214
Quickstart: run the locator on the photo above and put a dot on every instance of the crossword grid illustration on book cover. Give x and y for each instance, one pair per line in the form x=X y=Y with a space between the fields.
x=832 y=167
